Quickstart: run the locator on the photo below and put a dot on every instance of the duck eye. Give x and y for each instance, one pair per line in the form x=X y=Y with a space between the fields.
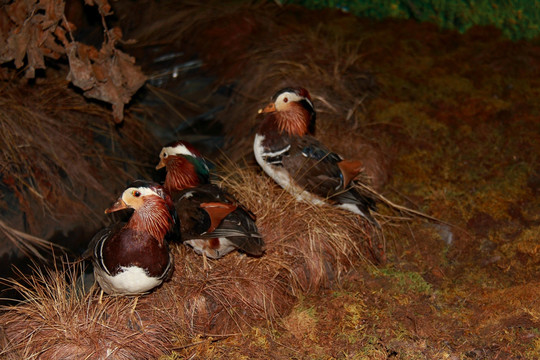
x=136 y=193
x=285 y=100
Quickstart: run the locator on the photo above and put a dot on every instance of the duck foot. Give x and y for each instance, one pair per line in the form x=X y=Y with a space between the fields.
x=206 y=265
x=134 y=320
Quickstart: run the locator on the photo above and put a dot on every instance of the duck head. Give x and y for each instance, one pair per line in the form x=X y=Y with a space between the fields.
x=185 y=166
x=293 y=111
x=152 y=208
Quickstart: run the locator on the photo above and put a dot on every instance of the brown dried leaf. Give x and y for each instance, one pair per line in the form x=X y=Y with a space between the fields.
x=60 y=34
x=54 y=9
x=100 y=73
x=5 y=24
x=51 y=48
x=34 y=29
x=109 y=75
x=18 y=11
x=34 y=55
x=17 y=45
x=115 y=34
x=26 y=35
x=80 y=69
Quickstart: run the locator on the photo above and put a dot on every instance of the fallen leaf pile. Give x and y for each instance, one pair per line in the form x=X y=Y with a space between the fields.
x=31 y=30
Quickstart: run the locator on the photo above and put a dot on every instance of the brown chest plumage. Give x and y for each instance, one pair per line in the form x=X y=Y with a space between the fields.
x=129 y=247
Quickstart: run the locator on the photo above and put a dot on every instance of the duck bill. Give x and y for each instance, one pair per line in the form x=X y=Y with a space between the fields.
x=119 y=205
x=160 y=165
x=268 y=108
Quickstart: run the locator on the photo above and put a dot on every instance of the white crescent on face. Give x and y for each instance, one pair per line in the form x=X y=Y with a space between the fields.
x=144 y=191
x=133 y=196
x=182 y=150
x=283 y=100
x=179 y=149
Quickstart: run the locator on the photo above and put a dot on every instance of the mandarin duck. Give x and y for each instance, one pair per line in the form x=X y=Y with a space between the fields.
x=132 y=258
x=211 y=220
x=286 y=149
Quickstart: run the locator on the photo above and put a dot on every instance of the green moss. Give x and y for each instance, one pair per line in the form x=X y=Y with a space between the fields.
x=534 y=351
x=526 y=245
x=352 y=327
x=517 y=18
x=405 y=281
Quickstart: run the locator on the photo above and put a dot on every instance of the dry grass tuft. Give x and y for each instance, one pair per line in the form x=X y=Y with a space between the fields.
x=308 y=248
x=62 y=159
x=57 y=320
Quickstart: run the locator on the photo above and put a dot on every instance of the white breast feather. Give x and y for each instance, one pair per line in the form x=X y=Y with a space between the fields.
x=129 y=281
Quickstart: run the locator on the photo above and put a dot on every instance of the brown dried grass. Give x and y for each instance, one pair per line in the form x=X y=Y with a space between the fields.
x=57 y=320
x=314 y=244
x=62 y=159
x=307 y=248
